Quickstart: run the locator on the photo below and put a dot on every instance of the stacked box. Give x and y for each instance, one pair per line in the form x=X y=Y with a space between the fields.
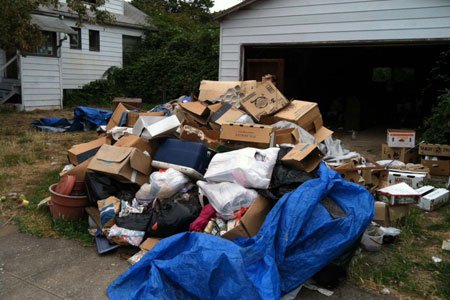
x=436 y=157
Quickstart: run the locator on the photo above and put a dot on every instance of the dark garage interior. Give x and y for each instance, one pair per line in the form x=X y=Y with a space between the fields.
x=357 y=87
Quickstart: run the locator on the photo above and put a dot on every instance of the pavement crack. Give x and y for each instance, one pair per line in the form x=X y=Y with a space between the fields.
x=35 y=285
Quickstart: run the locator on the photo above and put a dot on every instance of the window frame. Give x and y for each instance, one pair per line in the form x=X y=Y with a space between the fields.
x=80 y=42
x=92 y=47
x=54 y=45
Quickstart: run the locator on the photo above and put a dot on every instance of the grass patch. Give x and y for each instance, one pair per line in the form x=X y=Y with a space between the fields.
x=11 y=160
x=405 y=267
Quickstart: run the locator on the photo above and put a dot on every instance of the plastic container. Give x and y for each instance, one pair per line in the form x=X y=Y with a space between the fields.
x=67 y=207
x=372 y=239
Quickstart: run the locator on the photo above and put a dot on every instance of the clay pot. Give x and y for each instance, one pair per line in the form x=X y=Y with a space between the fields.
x=67 y=207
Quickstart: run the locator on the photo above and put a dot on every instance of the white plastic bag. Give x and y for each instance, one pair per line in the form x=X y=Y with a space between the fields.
x=226 y=197
x=162 y=185
x=249 y=167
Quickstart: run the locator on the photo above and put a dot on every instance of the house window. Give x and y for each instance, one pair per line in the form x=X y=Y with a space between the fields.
x=130 y=44
x=94 y=40
x=48 y=48
x=75 y=39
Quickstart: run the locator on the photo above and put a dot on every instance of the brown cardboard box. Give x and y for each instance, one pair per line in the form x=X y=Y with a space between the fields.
x=434 y=149
x=437 y=167
x=134 y=102
x=213 y=90
x=350 y=173
x=128 y=164
x=303 y=157
x=81 y=152
x=207 y=137
x=265 y=100
x=226 y=114
x=287 y=136
x=306 y=115
x=149 y=243
x=134 y=116
x=387 y=215
x=197 y=108
x=248 y=133
x=402 y=154
x=117 y=114
x=135 y=142
x=252 y=221
x=79 y=171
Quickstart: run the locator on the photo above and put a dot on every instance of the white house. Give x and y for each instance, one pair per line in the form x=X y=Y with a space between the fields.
x=373 y=55
x=72 y=56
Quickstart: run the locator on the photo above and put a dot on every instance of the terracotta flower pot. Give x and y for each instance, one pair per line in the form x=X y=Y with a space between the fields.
x=67 y=207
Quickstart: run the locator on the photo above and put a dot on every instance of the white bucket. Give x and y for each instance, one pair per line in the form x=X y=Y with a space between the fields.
x=372 y=239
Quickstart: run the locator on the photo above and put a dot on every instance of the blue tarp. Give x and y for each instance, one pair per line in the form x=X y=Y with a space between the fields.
x=298 y=238
x=85 y=118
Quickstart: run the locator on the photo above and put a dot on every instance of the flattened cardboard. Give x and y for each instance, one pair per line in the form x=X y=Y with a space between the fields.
x=78 y=171
x=304 y=157
x=287 y=136
x=265 y=100
x=252 y=221
x=81 y=152
x=127 y=164
x=437 y=167
x=134 y=142
x=134 y=116
x=400 y=138
x=249 y=133
x=434 y=149
x=213 y=90
x=149 y=243
x=402 y=154
x=197 y=108
x=117 y=114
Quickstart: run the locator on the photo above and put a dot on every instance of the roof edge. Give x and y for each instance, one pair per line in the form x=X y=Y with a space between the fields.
x=220 y=15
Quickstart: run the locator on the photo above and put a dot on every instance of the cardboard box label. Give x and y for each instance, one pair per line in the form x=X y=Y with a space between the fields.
x=265 y=100
x=413 y=179
x=434 y=149
x=246 y=133
x=398 y=138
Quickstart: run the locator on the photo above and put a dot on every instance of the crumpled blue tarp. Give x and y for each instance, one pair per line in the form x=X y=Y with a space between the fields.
x=85 y=118
x=298 y=238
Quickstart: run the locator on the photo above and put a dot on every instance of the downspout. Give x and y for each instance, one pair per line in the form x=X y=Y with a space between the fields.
x=59 y=49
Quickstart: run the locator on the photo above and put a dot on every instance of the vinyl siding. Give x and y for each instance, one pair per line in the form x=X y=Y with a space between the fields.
x=41 y=82
x=317 y=21
x=83 y=66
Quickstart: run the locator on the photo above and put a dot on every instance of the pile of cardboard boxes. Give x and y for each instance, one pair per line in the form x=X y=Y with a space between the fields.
x=232 y=115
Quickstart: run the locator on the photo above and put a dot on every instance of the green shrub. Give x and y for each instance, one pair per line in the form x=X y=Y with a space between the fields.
x=437 y=126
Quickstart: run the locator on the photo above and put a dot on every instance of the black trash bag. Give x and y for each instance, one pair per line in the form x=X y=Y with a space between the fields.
x=285 y=179
x=188 y=195
x=171 y=218
x=101 y=186
x=138 y=222
x=335 y=273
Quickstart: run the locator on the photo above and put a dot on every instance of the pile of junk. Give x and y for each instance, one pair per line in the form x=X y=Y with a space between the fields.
x=236 y=191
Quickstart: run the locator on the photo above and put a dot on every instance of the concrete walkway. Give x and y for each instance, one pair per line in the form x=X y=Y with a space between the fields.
x=42 y=268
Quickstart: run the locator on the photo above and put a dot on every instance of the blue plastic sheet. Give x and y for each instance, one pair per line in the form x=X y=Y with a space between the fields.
x=85 y=118
x=298 y=238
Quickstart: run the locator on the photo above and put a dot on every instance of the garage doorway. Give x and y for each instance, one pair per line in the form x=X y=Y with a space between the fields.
x=356 y=86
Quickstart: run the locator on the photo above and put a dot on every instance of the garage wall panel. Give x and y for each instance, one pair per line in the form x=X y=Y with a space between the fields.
x=311 y=21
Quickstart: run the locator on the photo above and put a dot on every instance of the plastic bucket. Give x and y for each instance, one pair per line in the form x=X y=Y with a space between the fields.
x=67 y=207
x=372 y=240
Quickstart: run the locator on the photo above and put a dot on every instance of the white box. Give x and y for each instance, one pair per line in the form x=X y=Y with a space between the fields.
x=433 y=200
x=413 y=179
x=399 y=138
x=151 y=127
x=398 y=194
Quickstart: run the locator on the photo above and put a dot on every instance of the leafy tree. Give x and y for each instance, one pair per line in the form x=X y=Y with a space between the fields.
x=17 y=32
x=171 y=61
